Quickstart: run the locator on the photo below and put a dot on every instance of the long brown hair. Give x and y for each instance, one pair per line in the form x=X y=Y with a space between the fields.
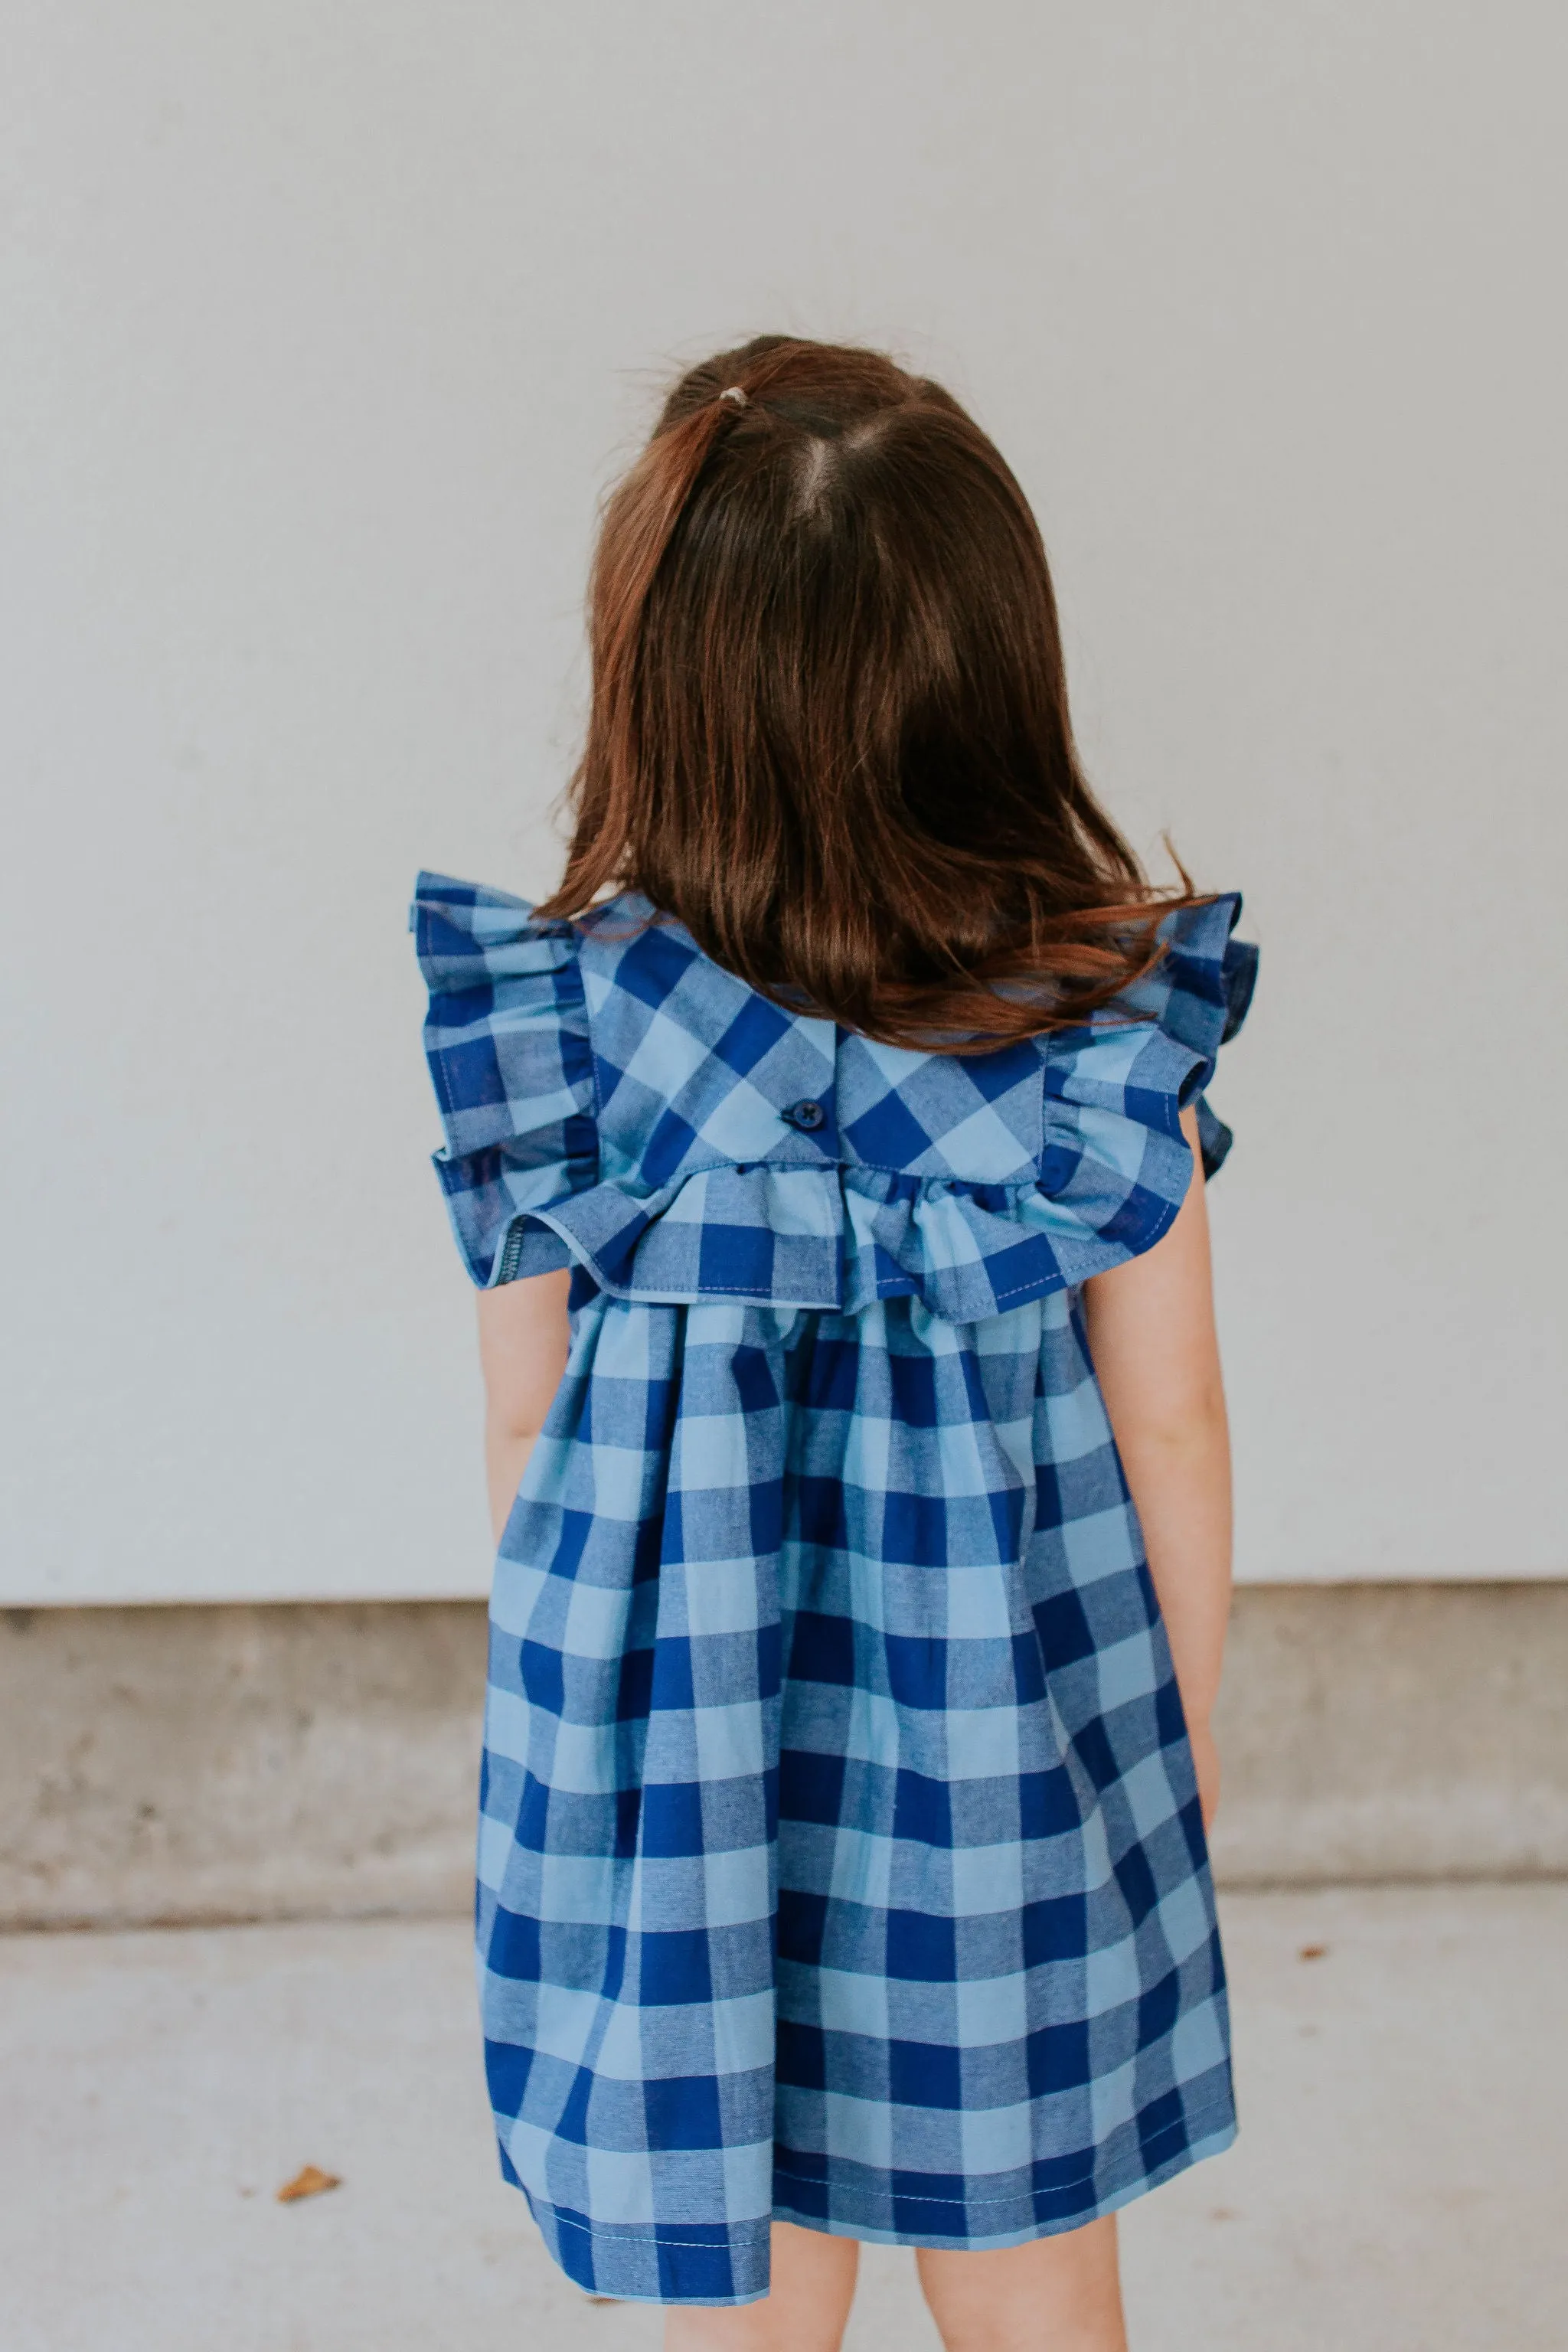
x=829 y=727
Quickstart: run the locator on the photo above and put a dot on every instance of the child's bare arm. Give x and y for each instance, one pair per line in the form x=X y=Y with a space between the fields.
x=1151 y=1334
x=524 y=1337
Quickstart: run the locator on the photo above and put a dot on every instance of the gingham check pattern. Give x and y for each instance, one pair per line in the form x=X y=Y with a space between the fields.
x=839 y=1852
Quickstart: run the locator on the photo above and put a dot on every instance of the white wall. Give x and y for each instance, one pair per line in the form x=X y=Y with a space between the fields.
x=325 y=325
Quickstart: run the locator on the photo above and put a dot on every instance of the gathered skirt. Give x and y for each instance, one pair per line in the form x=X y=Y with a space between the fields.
x=840 y=1854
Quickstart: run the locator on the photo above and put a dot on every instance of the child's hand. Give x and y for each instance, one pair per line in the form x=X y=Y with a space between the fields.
x=1205 y=1763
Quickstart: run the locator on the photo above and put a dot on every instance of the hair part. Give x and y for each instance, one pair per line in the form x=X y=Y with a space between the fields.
x=829 y=729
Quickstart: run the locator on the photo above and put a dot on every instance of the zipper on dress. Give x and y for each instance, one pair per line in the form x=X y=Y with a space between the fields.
x=511 y=1252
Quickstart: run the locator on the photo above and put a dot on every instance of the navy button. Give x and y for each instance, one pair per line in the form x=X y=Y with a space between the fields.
x=805 y=1115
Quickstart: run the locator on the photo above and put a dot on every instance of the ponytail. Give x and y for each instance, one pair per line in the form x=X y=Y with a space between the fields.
x=639 y=523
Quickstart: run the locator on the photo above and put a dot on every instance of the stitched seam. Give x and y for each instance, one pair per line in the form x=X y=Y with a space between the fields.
x=633 y=2238
x=1018 y=2197
x=578 y=987
x=840 y=2193
x=824 y=1166
x=716 y=1291
x=1161 y=1226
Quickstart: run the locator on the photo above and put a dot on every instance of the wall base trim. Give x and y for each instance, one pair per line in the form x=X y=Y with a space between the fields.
x=183 y=1765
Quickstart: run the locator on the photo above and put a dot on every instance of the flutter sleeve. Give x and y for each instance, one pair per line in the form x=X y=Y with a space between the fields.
x=1198 y=995
x=1117 y=1165
x=508 y=1044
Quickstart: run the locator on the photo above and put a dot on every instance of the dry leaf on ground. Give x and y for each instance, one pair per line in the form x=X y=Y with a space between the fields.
x=308 y=2181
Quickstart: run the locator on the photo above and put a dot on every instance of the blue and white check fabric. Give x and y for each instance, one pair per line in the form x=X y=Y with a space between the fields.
x=840 y=1857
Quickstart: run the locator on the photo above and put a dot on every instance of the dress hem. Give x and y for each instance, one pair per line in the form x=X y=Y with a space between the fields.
x=1206 y=2134
x=608 y=2249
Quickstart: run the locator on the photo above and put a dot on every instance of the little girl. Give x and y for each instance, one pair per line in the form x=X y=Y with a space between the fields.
x=830 y=1153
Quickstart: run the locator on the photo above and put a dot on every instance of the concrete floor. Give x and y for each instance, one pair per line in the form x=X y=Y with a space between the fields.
x=1398 y=2184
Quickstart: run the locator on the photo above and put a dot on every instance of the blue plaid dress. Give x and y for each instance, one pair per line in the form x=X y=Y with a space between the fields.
x=839 y=1848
